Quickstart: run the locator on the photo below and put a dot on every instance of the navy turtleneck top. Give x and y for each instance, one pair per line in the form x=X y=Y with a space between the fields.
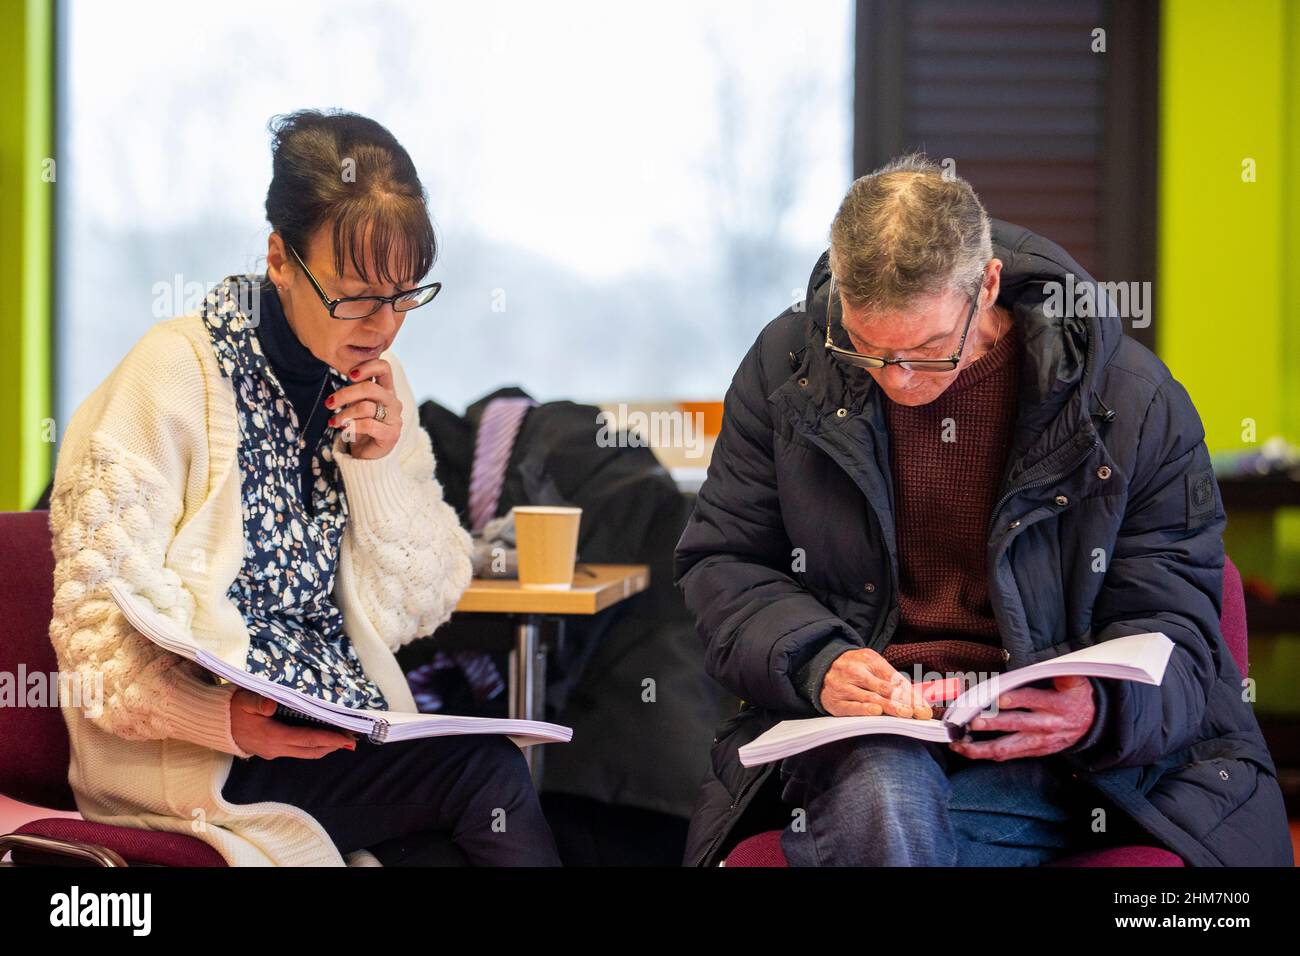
x=300 y=373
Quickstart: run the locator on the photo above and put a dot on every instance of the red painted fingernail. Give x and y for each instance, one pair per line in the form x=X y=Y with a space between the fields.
x=329 y=402
x=352 y=374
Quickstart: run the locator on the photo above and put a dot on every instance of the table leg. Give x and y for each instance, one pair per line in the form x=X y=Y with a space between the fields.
x=528 y=682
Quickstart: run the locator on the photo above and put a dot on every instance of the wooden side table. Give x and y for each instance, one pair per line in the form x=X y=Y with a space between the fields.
x=595 y=587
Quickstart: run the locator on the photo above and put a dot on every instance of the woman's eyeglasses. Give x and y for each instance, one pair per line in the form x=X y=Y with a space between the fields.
x=360 y=306
x=852 y=357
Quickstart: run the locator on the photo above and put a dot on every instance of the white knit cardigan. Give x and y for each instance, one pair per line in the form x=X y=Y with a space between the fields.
x=147 y=492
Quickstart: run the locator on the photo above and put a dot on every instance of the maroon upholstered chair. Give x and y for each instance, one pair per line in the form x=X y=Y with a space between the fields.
x=34 y=752
x=764 y=849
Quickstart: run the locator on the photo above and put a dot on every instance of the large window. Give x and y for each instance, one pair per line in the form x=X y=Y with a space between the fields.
x=624 y=194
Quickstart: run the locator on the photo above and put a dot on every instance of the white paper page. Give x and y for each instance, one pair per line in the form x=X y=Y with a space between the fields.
x=145 y=618
x=406 y=726
x=795 y=736
x=1138 y=657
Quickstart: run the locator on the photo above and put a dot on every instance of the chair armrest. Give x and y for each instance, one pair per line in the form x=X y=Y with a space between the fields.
x=44 y=851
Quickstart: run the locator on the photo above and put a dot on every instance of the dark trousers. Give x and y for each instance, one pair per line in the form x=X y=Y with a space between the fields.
x=437 y=800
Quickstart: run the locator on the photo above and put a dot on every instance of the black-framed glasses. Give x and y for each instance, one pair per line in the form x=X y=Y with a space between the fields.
x=853 y=357
x=360 y=306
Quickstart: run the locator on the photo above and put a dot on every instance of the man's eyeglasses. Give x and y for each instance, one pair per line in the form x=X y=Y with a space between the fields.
x=360 y=306
x=852 y=357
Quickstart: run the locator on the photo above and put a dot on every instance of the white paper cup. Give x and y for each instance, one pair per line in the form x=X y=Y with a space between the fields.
x=547 y=539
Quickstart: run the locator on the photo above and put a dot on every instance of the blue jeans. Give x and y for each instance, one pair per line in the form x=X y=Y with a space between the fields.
x=883 y=800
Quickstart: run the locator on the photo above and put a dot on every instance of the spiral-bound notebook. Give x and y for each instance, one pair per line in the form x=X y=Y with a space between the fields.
x=381 y=726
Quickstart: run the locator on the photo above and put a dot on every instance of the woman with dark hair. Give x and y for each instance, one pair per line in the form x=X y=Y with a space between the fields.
x=258 y=473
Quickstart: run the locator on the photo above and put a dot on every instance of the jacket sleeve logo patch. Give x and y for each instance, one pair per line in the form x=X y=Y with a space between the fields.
x=1201 y=505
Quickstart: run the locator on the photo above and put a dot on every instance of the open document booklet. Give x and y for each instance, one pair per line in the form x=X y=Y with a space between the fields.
x=381 y=726
x=1139 y=657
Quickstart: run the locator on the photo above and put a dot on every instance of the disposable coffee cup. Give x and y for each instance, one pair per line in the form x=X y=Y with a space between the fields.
x=547 y=539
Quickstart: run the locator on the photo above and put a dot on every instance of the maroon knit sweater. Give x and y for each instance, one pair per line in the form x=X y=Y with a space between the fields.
x=944 y=492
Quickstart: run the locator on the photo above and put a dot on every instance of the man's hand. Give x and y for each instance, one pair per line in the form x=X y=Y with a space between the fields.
x=1050 y=720
x=257 y=732
x=861 y=683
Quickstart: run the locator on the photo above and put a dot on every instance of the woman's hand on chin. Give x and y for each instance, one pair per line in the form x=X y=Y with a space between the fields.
x=354 y=408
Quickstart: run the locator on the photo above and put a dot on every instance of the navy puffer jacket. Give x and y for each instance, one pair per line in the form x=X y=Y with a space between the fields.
x=1108 y=453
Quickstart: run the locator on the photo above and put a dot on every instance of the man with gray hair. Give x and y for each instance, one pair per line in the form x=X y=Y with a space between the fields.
x=923 y=469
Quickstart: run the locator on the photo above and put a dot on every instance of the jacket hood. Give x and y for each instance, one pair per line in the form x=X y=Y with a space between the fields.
x=1063 y=353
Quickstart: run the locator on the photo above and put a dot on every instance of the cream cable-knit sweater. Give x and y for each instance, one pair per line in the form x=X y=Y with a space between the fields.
x=146 y=491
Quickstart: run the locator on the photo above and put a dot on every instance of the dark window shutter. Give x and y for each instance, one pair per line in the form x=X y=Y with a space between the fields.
x=1052 y=135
